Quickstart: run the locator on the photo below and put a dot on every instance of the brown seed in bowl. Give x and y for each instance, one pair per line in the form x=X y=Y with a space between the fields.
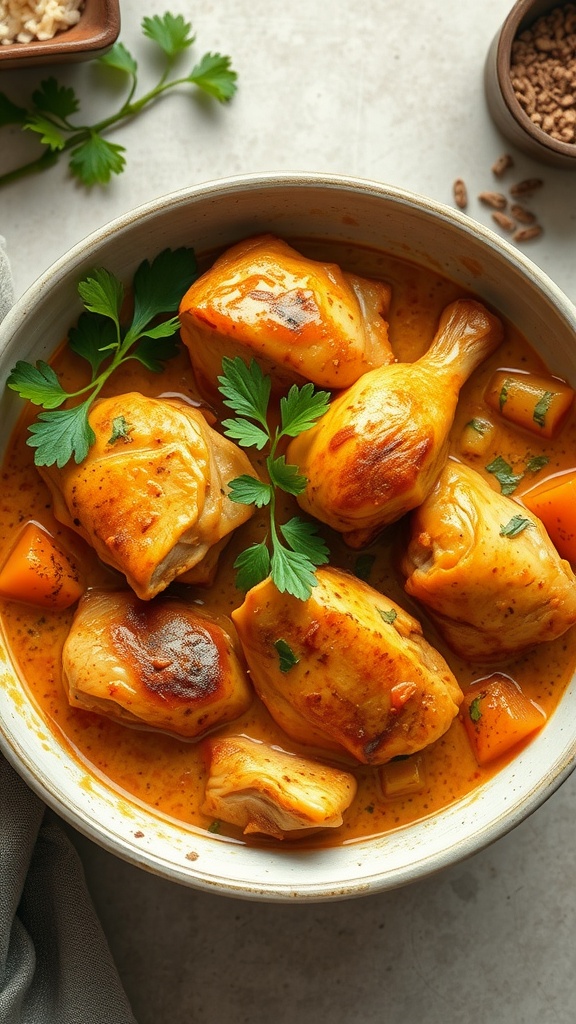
x=521 y=214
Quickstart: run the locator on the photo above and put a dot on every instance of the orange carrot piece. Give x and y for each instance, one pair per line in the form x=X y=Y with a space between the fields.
x=555 y=505
x=537 y=403
x=497 y=716
x=38 y=572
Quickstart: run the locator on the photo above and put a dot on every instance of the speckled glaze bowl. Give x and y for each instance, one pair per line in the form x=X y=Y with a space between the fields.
x=505 y=109
x=207 y=217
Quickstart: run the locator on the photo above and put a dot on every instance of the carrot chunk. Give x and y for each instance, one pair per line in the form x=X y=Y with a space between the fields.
x=38 y=572
x=539 y=404
x=555 y=505
x=497 y=716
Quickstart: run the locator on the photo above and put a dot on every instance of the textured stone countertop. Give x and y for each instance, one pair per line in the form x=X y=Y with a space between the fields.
x=389 y=90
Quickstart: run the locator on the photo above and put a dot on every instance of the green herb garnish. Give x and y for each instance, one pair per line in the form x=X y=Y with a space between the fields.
x=536 y=463
x=93 y=159
x=503 y=396
x=475 y=710
x=480 y=426
x=121 y=431
x=286 y=655
x=515 y=526
x=246 y=390
x=541 y=408
x=507 y=479
x=388 y=614
x=99 y=337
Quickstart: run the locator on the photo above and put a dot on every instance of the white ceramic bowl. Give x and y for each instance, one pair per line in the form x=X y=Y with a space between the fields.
x=206 y=217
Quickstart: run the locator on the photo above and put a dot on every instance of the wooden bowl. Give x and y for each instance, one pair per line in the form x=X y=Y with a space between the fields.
x=92 y=36
x=507 y=113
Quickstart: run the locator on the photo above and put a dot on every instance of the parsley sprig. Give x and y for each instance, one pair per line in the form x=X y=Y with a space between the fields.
x=296 y=548
x=105 y=343
x=93 y=159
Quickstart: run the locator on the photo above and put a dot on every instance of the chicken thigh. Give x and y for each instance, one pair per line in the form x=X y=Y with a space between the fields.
x=302 y=320
x=163 y=664
x=265 y=790
x=347 y=670
x=486 y=569
x=151 y=495
x=378 y=450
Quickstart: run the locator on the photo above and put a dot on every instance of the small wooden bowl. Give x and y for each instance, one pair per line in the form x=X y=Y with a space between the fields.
x=96 y=31
x=506 y=111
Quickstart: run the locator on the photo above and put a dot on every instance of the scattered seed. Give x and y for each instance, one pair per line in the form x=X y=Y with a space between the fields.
x=526 y=234
x=502 y=164
x=521 y=214
x=496 y=200
x=460 y=194
x=503 y=220
x=526 y=187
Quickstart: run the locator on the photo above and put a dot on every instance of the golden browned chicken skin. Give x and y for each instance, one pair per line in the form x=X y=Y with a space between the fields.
x=378 y=450
x=302 y=320
x=154 y=501
x=491 y=591
x=164 y=664
x=363 y=681
x=265 y=790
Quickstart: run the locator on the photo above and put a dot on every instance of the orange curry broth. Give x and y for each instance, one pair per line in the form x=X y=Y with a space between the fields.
x=169 y=775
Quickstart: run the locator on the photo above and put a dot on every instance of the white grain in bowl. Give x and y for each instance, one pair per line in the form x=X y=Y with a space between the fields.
x=21 y=21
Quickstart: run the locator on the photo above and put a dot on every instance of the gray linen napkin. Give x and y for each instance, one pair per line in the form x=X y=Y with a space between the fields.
x=55 y=964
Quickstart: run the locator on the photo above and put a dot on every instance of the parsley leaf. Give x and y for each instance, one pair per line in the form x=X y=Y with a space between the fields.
x=286 y=655
x=541 y=408
x=100 y=338
x=515 y=526
x=92 y=159
x=388 y=614
x=121 y=430
x=474 y=710
x=507 y=479
x=536 y=463
x=246 y=390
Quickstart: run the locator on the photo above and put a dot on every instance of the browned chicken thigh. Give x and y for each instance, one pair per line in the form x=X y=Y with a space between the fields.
x=151 y=495
x=359 y=677
x=486 y=569
x=265 y=790
x=164 y=664
x=378 y=450
x=302 y=320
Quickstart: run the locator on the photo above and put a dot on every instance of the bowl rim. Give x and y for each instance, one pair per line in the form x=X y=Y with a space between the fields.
x=71 y=44
x=323 y=884
x=520 y=17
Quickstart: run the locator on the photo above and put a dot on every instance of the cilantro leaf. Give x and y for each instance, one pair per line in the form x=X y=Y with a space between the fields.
x=301 y=407
x=10 y=113
x=60 y=435
x=515 y=526
x=121 y=431
x=536 y=463
x=286 y=476
x=92 y=338
x=160 y=285
x=38 y=384
x=99 y=334
x=102 y=292
x=120 y=58
x=247 y=434
x=389 y=615
x=292 y=572
x=286 y=655
x=252 y=566
x=541 y=408
x=94 y=161
x=171 y=32
x=474 y=710
x=245 y=389
x=214 y=76
x=507 y=479
x=52 y=98
x=50 y=134
x=248 y=490
x=303 y=536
